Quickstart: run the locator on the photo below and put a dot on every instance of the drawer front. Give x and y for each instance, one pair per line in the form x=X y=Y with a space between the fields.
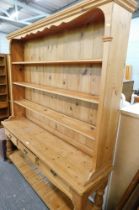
x=45 y=170
x=11 y=137
x=54 y=178
x=26 y=152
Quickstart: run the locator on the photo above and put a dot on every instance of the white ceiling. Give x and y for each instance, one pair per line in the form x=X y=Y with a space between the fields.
x=15 y=14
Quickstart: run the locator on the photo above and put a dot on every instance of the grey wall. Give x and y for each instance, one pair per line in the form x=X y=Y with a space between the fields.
x=126 y=160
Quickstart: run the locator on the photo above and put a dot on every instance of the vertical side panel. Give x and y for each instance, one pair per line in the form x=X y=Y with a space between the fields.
x=17 y=54
x=112 y=77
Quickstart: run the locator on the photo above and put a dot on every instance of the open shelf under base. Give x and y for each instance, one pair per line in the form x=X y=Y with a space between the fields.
x=51 y=196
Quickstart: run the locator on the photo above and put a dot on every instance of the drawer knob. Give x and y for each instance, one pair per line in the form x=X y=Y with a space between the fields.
x=25 y=152
x=37 y=161
x=53 y=172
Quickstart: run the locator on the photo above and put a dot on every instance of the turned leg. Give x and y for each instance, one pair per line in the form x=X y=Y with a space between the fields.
x=9 y=148
x=79 y=202
x=99 y=197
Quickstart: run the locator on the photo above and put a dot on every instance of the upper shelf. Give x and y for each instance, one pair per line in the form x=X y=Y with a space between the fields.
x=93 y=61
x=62 y=92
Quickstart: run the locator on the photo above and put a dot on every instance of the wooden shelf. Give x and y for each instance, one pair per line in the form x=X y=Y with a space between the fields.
x=69 y=163
x=3 y=116
x=78 y=126
x=3 y=105
x=58 y=91
x=49 y=194
x=1 y=84
x=67 y=62
x=94 y=61
x=3 y=94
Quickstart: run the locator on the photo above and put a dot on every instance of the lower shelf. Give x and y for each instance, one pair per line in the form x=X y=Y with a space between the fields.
x=3 y=116
x=50 y=195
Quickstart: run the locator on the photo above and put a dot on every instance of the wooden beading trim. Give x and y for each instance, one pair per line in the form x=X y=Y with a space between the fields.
x=78 y=9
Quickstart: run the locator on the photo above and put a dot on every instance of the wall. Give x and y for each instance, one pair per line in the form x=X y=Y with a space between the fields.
x=126 y=159
x=133 y=51
x=4 y=44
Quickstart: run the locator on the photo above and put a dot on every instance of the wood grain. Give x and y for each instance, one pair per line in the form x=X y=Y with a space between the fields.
x=66 y=75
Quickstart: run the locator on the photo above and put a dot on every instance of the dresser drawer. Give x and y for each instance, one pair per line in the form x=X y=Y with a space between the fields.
x=44 y=169
x=54 y=178
x=11 y=137
x=26 y=152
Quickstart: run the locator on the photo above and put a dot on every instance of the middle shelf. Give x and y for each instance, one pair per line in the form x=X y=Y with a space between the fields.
x=62 y=92
x=50 y=62
x=78 y=126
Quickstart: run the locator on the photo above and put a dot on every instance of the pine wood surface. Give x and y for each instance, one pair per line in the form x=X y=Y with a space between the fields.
x=3 y=116
x=4 y=106
x=2 y=94
x=51 y=196
x=70 y=94
x=66 y=81
x=95 y=61
x=75 y=125
x=61 y=157
x=68 y=15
